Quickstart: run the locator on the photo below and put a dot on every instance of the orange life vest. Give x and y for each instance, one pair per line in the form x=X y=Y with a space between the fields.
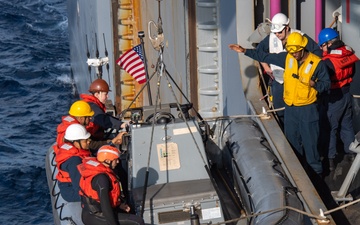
x=96 y=131
x=92 y=99
x=66 y=121
x=343 y=59
x=66 y=151
x=61 y=128
x=88 y=170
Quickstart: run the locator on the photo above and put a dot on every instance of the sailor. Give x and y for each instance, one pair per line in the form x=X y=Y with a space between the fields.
x=275 y=43
x=305 y=75
x=340 y=60
x=101 y=192
x=70 y=154
x=99 y=90
x=81 y=113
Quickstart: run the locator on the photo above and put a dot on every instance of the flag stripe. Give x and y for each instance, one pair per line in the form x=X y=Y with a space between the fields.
x=129 y=57
x=128 y=60
x=138 y=71
x=136 y=66
x=131 y=65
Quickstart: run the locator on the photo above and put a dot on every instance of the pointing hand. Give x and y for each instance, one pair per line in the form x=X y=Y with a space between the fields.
x=237 y=48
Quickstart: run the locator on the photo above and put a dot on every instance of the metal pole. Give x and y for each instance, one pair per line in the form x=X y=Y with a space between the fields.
x=141 y=35
x=194 y=217
x=340 y=195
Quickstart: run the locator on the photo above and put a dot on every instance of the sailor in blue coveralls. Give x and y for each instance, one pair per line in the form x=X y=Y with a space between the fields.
x=305 y=76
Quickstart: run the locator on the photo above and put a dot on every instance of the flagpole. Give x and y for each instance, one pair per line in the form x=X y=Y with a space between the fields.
x=141 y=35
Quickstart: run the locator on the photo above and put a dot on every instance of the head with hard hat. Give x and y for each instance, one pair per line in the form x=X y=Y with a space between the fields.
x=327 y=37
x=78 y=136
x=100 y=89
x=296 y=44
x=280 y=25
x=82 y=111
x=108 y=155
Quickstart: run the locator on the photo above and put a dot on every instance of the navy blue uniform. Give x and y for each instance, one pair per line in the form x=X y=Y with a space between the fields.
x=301 y=123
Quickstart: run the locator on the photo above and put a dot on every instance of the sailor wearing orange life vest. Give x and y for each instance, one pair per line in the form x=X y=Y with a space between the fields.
x=341 y=61
x=99 y=90
x=101 y=192
x=70 y=154
x=305 y=76
x=81 y=113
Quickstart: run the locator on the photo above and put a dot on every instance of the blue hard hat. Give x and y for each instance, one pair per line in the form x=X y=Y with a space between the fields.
x=326 y=35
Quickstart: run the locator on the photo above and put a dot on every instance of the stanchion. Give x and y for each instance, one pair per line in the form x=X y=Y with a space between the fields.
x=341 y=194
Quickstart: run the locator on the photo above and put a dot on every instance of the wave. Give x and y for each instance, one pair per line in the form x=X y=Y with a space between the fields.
x=37 y=90
x=24 y=195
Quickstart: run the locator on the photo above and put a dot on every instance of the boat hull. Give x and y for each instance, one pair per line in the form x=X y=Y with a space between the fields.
x=64 y=212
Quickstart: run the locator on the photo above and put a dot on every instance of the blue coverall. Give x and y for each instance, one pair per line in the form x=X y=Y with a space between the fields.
x=301 y=123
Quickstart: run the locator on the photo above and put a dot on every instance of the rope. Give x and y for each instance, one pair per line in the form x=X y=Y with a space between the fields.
x=186 y=122
x=334 y=21
x=320 y=218
x=159 y=69
x=263 y=115
x=341 y=207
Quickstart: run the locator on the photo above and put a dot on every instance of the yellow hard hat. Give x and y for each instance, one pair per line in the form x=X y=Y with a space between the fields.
x=295 y=42
x=107 y=152
x=81 y=108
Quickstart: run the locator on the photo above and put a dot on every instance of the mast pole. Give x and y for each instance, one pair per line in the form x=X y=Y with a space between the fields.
x=141 y=35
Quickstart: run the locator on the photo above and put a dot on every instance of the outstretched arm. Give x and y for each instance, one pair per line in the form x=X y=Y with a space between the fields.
x=271 y=58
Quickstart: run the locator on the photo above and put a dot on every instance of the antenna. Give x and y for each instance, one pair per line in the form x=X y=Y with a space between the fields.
x=99 y=68
x=97 y=62
x=97 y=49
x=88 y=56
x=106 y=55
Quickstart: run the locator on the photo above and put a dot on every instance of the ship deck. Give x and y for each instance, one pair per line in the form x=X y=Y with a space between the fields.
x=332 y=182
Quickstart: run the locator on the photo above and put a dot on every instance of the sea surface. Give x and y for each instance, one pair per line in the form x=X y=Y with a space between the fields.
x=36 y=90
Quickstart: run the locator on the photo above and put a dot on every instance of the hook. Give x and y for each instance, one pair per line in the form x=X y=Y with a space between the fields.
x=157 y=39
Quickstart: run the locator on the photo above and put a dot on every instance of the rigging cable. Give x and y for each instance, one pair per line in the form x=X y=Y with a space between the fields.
x=159 y=69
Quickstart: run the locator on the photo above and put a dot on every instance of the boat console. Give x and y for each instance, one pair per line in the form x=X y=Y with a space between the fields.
x=166 y=154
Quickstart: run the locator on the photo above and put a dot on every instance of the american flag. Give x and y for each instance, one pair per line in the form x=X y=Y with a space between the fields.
x=132 y=61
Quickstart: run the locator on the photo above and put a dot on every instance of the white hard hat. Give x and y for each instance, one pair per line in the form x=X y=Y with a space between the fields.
x=278 y=22
x=76 y=132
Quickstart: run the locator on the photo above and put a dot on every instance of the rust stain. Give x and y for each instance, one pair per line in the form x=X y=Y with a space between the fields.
x=129 y=24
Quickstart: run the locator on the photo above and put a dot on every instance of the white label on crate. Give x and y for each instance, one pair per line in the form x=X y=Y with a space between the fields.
x=168 y=156
x=184 y=130
x=211 y=213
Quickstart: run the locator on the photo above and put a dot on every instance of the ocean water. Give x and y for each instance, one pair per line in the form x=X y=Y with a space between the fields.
x=36 y=90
